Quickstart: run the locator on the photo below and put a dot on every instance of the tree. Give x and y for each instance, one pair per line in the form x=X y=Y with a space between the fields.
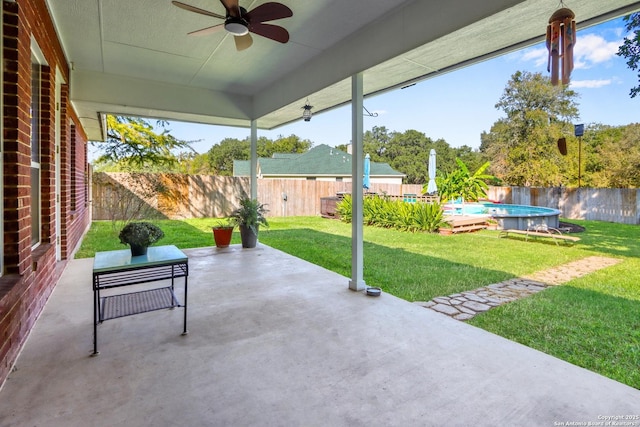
x=132 y=143
x=523 y=146
x=612 y=156
x=285 y=144
x=408 y=152
x=375 y=141
x=221 y=156
x=630 y=48
x=468 y=155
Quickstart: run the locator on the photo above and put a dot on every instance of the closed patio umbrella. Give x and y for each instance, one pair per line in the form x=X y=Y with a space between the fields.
x=432 y=188
x=366 y=181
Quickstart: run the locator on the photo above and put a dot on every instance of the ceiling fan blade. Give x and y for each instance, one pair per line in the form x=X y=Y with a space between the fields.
x=196 y=9
x=208 y=30
x=273 y=32
x=232 y=6
x=268 y=12
x=243 y=42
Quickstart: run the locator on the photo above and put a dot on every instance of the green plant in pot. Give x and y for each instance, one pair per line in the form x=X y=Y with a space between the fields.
x=139 y=236
x=223 y=231
x=249 y=216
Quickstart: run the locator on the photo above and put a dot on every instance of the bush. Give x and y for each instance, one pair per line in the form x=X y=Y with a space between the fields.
x=397 y=214
x=343 y=208
x=140 y=233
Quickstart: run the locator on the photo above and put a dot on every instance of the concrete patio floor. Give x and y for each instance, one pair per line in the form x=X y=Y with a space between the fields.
x=276 y=341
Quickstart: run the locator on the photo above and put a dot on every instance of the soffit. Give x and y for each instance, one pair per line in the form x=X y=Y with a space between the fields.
x=134 y=57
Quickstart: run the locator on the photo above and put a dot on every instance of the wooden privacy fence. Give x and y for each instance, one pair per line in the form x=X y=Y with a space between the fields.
x=620 y=205
x=205 y=196
x=165 y=195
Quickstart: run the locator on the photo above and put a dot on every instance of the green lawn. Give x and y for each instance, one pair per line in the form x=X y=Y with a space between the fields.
x=592 y=322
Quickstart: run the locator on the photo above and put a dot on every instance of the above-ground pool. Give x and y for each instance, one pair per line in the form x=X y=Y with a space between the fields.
x=518 y=217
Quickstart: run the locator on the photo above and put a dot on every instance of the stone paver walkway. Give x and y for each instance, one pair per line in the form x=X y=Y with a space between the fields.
x=465 y=305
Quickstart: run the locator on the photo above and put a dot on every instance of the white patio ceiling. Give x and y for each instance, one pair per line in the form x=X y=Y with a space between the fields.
x=134 y=57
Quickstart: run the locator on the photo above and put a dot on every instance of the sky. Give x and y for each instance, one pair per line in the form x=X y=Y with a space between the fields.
x=460 y=105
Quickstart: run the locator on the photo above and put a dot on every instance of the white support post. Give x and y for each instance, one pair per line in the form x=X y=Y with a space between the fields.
x=253 y=170
x=357 y=258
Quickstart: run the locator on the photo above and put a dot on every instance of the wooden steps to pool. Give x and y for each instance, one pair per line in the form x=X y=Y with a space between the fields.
x=464 y=224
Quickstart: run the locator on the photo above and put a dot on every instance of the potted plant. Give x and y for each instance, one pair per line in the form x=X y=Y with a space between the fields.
x=249 y=216
x=139 y=236
x=223 y=231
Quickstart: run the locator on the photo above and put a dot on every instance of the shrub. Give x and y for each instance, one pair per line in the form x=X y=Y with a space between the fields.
x=397 y=214
x=140 y=233
x=343 y=208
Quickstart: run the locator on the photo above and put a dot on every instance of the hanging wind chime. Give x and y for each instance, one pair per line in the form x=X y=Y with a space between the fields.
x=561 y=37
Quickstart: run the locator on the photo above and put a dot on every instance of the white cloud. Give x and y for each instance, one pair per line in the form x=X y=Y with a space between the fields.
x=590 y=84
x=593 y=49
x=590 y=49
x=538 y=56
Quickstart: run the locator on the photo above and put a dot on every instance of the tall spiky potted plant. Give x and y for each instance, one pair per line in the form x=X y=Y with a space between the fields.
x=249 y=216
x=223 y=231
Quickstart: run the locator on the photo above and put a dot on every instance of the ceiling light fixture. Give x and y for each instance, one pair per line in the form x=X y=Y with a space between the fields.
x=306 y=113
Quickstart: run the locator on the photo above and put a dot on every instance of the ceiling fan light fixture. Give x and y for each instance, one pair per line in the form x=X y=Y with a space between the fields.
x=240 y=23
x=236 y=26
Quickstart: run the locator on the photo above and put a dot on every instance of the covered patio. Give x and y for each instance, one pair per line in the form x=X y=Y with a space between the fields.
x=274 y=340
x=138 y=59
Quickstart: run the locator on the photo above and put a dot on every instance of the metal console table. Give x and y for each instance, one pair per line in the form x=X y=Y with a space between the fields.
x=113 y=269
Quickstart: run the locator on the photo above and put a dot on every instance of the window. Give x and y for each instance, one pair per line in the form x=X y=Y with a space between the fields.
x=36 y=87
x=87 y=174
x=72 y=169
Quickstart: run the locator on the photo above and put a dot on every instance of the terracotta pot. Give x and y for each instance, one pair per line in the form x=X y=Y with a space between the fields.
x=222 y=236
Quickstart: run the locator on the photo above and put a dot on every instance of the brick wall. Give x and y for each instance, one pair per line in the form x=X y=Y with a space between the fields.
x=30 y=274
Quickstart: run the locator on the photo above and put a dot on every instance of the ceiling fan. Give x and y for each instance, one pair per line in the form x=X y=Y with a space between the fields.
x=239 y=22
